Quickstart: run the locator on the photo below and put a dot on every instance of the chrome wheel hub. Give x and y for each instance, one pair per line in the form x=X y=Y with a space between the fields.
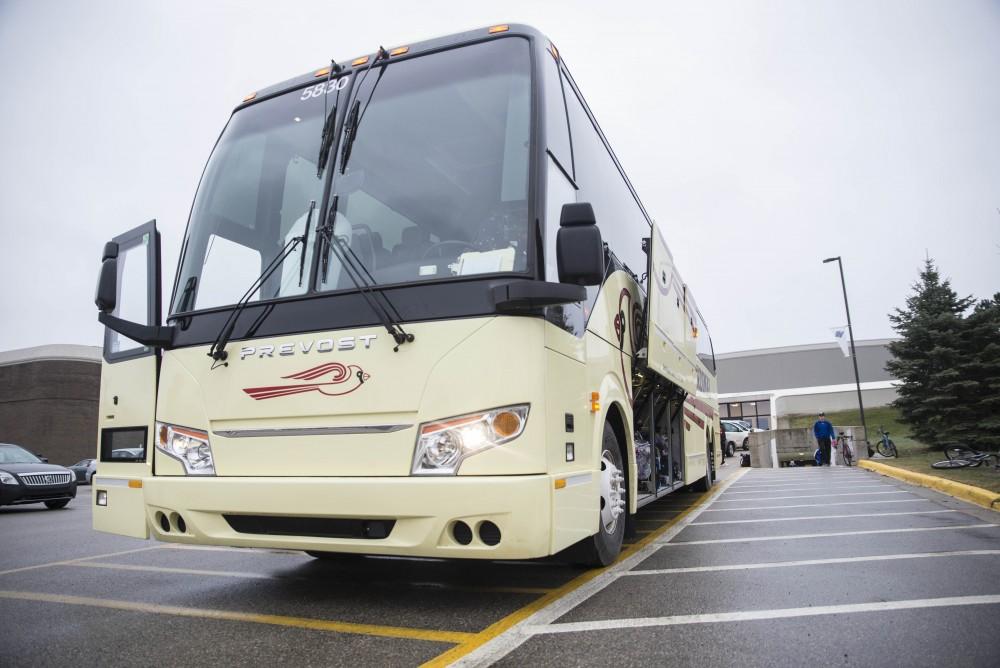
x=612 y=493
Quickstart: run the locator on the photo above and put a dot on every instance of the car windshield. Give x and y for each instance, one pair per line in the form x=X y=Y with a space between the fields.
x=435 y=185
x=14 y=454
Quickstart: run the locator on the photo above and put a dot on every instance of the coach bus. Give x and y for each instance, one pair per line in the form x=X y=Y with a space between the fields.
x=419 y=310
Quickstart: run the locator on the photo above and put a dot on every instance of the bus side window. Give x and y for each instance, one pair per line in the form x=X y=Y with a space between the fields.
x=622 y=222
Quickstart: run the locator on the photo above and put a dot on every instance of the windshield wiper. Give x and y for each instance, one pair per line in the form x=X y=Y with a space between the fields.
x=330 y=120
x=218 y=350
x=305 y=240
x=356 y=113
x=362 y=279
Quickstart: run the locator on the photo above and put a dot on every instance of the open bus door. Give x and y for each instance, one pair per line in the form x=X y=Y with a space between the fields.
x=128 y=294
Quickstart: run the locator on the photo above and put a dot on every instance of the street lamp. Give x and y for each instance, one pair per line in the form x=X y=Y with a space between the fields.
x=854 y=357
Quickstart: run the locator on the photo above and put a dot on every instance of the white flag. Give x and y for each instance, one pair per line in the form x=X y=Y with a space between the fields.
x=840 y=333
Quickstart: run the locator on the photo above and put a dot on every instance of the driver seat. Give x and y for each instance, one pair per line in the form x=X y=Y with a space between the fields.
x=413 y=243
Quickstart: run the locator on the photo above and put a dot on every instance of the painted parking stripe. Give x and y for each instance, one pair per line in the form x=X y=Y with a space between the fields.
x=507 y=635
x=810 y=562
x=755 y=539
x=814 y=505
x=266 y=576
x=234 y=616
x=816 y=518
x=752 y=615
x=811 y=496
x=810 y=489
x=70 y=562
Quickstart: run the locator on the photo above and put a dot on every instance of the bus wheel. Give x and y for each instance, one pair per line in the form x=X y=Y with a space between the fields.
x=705 y=483
x=602 y=548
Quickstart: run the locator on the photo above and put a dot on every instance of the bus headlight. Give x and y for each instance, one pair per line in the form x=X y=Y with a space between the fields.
x=188 y=446
x=442 y=445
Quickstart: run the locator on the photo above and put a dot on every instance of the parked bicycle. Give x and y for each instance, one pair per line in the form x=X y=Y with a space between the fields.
x=884 y=446
x=844 y=445
x=960 y=456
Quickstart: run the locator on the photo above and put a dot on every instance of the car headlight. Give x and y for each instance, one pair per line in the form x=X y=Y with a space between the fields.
x=443 y=445
x=188 y=446
x=7 y=478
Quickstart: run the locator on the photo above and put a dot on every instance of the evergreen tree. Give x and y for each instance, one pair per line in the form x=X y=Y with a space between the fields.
x=928 y=357
x=981 y=428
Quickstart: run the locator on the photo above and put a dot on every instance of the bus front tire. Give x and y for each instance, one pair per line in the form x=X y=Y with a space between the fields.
x=603 y=548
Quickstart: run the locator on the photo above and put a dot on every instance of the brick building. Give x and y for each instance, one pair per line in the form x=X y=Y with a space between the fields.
x=49 y=400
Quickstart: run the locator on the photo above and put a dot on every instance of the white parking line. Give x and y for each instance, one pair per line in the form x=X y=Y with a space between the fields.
x=512 y=638
x=814 y=505
x=817 y=518
x=755 y=539
x=809 y=562
x=750 y=615
x=811 y=496
x=809 y=489
x=69 y=562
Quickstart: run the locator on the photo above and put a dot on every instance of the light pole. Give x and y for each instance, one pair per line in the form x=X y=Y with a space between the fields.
x=854 y=357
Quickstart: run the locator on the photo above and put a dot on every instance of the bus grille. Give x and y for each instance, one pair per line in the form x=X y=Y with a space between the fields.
x=316 y=527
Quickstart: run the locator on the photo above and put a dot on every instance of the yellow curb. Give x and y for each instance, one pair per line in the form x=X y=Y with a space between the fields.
x=959 y=490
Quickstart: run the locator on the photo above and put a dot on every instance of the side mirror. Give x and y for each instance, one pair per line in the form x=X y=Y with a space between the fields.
x=107 y=282
x=579 y=247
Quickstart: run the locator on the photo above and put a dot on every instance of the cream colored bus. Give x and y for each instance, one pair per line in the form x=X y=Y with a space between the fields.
x=419 y=310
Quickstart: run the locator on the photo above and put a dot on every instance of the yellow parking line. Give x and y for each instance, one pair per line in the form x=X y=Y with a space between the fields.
x=478 y=639
x=234 y=616
x=73 y=562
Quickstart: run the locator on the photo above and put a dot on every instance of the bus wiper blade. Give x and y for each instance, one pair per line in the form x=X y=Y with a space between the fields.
x=218 y=350
x=356 y=112
x=362 y=279
x=329 y=120
x=305 y=240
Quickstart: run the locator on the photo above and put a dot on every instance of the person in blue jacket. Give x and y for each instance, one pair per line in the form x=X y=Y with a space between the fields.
x=823 y=431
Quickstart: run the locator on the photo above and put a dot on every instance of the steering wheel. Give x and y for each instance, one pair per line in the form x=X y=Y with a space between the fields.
x=447 y=242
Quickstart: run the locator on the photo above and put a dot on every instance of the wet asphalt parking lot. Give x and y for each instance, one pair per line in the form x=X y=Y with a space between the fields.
x=789 y=567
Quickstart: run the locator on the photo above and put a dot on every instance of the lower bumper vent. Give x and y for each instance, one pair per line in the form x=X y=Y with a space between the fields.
x=315 y=527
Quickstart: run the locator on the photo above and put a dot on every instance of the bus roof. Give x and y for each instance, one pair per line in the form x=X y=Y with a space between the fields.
x=411 y=50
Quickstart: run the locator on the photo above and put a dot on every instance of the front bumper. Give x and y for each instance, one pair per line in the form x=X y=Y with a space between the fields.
x=11 y=495
x=424 y=511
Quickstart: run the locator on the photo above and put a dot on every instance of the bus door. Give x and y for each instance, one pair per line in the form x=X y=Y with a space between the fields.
x=128 y=387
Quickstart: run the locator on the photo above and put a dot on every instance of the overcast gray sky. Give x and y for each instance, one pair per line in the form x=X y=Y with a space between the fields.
x=765 y=136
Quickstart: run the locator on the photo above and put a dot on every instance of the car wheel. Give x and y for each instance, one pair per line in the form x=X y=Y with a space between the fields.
x=746 y=443
x=56 y=505
x=730 y=449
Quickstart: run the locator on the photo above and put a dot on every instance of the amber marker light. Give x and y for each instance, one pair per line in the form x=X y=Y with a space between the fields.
x=399 y=50
x=560 y=483
x=495 y=29
x=135 y=484
x=250 y=97
x=359 y=61
x=595 y=402
x=321 y=72
x=506 y=424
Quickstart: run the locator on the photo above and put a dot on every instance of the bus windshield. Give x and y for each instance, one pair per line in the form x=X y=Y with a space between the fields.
x=435 y=185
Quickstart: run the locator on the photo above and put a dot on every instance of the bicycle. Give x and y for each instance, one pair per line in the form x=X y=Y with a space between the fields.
x=960 y=456
x=884 y=446
x=843 y=441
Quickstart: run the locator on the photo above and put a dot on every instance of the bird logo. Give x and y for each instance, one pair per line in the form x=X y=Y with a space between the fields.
x=337 y=380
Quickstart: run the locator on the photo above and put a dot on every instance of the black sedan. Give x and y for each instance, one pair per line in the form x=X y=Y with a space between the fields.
x=24 y=478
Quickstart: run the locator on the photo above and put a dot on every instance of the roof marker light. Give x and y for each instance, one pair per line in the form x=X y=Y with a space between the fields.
x=496 y=29
x=399 y=50
x=359 y=61
x=250 y=97
x=321 y=72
